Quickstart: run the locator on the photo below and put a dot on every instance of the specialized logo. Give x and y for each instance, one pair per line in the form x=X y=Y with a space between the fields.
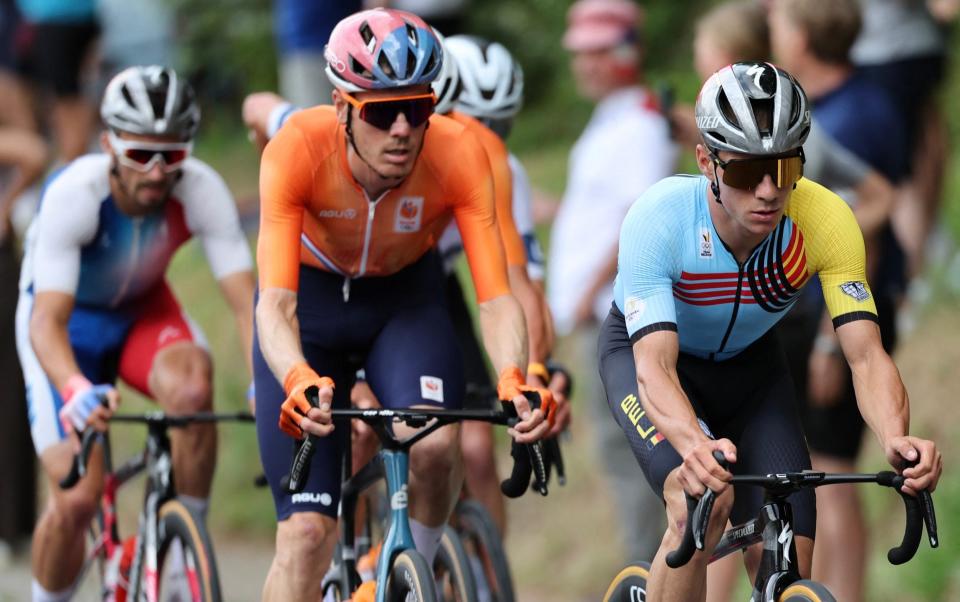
x=409 y=214
x=431 y=387
x=337 y=213
x=856 y=289
x=747 y=529
x=637 y=594
x=706 y=243
x=786 y=540
x=312 y=498
x=707 y=122
x=398 y=501
x=633 y=307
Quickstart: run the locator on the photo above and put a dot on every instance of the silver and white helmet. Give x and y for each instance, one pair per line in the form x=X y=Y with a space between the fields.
x=731 y=99
x=150 y=100
x=491 y=81
x=447 y=84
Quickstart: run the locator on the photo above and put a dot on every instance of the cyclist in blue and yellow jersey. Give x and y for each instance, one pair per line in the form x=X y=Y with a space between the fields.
x=95 y=303
x=707 y=266
x=353 y=200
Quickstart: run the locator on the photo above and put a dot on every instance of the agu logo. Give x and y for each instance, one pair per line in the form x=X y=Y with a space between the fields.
x=312 y=498
x=431 y=388
x=409 y=214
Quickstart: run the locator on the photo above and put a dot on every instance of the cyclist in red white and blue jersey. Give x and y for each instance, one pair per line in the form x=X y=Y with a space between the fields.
x=95 y=304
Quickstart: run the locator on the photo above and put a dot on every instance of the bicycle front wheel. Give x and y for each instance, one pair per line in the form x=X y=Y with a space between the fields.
x=186 y=564
x=630 y=584
x=411 y=579
x=806 y=591
x=483 y=545
x=454 y=577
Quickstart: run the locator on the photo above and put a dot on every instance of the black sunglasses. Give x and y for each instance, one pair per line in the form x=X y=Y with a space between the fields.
x=747 y=174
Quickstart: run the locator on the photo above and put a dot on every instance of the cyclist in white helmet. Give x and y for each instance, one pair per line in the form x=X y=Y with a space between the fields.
x=95 y=303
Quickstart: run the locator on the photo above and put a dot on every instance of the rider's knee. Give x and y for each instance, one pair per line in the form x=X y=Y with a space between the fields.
x=437 y=454
x=477 y=449
x=183 y=384
x=75 y=509
x=305 y=535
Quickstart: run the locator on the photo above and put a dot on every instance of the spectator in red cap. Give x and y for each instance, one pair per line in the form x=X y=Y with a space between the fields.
x=625 y=148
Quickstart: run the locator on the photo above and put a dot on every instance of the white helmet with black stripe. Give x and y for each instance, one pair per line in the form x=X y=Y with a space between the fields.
x=151 y=100
x=753 y=108
x=491 y=81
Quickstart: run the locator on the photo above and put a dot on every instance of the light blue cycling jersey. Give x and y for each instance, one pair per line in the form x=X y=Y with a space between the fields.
x=675 y=273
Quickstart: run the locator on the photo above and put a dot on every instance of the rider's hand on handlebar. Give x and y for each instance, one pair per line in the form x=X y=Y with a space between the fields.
x=534 y=424
x=558 y=386
x=904 y=451
x=701 y=471
x=84 y=405
x=297 y=416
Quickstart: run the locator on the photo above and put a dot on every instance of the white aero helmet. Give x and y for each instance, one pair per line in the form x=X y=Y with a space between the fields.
x=151 y=100
x=491 y=81
x=732 y=99
x=447 y=85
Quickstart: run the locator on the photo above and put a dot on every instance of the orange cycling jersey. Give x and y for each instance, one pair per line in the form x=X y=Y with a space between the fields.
x=502 y=186
x=313 y=211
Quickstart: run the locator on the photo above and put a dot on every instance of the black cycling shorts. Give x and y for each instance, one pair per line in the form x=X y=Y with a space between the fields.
x=748 y=399
x=395 y=327
x=58 y=52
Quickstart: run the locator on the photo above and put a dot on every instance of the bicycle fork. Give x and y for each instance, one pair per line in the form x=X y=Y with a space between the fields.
x=399 y=537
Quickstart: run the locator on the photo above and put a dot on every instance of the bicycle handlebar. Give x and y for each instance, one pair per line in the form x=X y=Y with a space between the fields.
x=919 y=509
x=78 y=468
x=528 y=458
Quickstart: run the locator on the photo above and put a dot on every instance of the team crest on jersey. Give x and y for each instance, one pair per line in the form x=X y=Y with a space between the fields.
x=857 y=290
x=633 y=312
x=409 y=214
x=706 y=243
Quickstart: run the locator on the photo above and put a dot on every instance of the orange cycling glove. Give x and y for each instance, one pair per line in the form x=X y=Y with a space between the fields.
x=512 y=383
x=296 y=405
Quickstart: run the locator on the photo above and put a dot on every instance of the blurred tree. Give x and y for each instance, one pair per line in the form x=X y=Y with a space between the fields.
x=227 y=49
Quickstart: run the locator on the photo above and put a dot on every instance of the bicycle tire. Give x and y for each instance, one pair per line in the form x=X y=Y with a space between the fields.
x=452 y=570
x=179 y=523
x=482 y=540
x=630 y=584
x=805 y=590
x=410 y=575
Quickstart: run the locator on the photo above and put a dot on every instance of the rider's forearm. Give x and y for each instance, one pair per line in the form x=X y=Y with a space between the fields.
x=278 y=330
x=666 y=404
x=51 y=344
x=504 y=332
x=238 y=291
x=881 y=395
x=530 y=301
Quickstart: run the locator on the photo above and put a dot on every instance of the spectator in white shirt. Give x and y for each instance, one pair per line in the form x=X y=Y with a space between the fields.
x=625 y=148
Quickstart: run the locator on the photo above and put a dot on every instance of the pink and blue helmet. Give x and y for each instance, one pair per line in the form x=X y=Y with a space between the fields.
x=382 y=49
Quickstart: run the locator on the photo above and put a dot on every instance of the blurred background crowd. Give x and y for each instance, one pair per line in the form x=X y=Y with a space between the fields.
x=607 y=111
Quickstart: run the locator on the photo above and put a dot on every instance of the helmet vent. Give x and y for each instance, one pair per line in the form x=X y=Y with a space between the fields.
x=356 y=67
x=126 y=96
x=369 y=39
x=726 y=109
x=431 y=62
x=385 y=65
x=763 y=113
x=411 y=34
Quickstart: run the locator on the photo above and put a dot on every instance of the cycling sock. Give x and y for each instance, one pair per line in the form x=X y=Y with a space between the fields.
x=426 y=539
x=39 y=594
x=197 y=504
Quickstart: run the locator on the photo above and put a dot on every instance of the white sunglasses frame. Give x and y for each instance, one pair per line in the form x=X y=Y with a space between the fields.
x=120 y=146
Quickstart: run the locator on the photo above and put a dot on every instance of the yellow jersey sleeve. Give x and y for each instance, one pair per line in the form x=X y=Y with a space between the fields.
x=835 y=251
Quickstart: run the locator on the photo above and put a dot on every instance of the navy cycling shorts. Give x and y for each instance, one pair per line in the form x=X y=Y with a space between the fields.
x=748 y=399
x=397 y=329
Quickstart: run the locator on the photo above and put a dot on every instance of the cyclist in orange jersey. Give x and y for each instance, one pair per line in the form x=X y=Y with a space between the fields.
x=353 y=199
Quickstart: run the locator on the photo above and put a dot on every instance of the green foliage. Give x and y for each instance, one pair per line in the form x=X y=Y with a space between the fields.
x=228 y=49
